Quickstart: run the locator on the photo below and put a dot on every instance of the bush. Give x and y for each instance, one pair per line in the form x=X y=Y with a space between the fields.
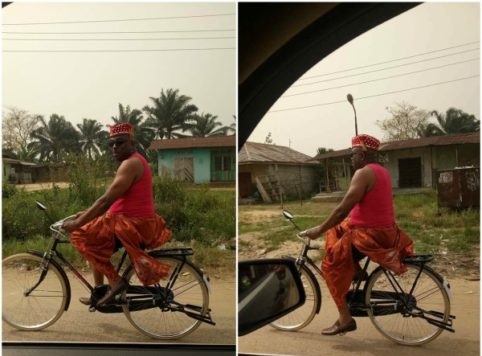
x=195 y=215
x=8 y=190
x=20 y=219
x=87 y=179
x=199 y=214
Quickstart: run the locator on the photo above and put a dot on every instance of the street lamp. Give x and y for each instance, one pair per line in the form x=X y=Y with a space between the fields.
x=349 y=97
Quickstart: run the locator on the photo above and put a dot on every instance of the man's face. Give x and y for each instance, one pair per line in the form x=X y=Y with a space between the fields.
x=357 y=157
x=122 y=147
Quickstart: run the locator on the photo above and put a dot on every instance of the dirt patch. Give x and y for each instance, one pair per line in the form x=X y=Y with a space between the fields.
x=41 y=186
x=255 y=216
x=252 y=245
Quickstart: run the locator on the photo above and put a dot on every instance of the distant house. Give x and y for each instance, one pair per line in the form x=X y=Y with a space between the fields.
x=278 y=170
x=197 y=159
x=21 y=172
x=412 y=163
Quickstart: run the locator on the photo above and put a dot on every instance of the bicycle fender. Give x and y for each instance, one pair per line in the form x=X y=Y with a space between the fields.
x=442 y=280
x=317 y=284
x=62 y=273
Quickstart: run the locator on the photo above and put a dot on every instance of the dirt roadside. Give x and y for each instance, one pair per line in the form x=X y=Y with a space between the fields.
x=461 y=270
x=77 y=324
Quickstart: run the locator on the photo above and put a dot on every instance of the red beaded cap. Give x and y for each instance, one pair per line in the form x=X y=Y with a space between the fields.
x=365 y=141
x=122 y=128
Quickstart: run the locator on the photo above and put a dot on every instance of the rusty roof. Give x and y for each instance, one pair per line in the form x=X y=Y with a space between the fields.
x=253 y=152
x=445 y=140
x=194 y=142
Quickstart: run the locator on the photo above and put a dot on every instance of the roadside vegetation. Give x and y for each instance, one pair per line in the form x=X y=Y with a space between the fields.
x=199 y=217
x=434 y=231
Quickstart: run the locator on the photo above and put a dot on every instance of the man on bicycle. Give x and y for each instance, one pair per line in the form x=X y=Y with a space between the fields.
x=362 y=224
x=125 y=212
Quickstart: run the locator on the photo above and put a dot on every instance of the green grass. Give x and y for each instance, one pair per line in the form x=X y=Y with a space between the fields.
x=201 y=216
x=431 y=229
x=418 y=215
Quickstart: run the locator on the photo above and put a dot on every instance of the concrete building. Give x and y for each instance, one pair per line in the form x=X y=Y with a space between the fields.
x=198 y=160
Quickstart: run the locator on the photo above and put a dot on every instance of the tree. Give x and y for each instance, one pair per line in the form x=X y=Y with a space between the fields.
x=144 y=134
x=232 y=127
x=453 y=122
x=205 y=125
x=17 y=126
x=322 y=150
x=91 y=137
x=170 y=113
x=269 y=140
x=406 y=122
x=54 y=138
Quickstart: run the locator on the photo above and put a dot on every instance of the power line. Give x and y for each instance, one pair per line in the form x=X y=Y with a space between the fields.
x=378 y=79
x=117 y=39
x=392 y=67
x=375 y=95
x=117 y=50
x=391 y=60
x=118 y=20
x=111 y=32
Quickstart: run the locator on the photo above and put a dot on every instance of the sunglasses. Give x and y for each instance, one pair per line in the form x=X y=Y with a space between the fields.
x=118 y=142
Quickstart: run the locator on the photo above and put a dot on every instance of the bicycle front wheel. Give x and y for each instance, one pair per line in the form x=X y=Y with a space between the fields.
x=302 y=316
x=187 y=289
x=397 y=314
x=29 y=302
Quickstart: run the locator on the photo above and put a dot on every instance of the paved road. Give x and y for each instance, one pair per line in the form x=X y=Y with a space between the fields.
x=79 y=325
x=366 y=341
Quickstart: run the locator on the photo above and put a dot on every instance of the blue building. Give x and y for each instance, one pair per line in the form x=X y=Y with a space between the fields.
x=198 y=160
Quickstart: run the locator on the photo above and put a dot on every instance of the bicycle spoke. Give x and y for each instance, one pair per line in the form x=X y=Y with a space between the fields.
x=157 y=317
x=400 y=316
x=43 y=305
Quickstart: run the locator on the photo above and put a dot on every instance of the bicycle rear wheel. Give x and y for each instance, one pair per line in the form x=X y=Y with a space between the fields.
x=398 y=315
x=188 y=288
x=43 y=305
x=302 y=316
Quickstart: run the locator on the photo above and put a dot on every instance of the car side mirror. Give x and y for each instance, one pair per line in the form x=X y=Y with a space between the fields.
x=267 y=290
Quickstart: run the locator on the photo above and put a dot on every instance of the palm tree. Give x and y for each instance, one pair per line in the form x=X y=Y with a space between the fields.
x=205 y=125
x=453 y=122
x=91 y=137
x=53 y=138
x=144 y=134
x=170 y=113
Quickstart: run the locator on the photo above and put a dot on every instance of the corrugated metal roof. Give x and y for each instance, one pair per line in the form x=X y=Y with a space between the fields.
x=194 y=142
x=22 y=163
x=253 y=152
x=446 y=140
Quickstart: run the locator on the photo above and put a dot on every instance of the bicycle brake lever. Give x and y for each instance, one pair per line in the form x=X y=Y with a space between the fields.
x=302 y=234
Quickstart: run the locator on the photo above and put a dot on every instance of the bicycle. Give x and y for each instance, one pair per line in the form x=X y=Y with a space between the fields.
x=36 y=291
x=410 y=309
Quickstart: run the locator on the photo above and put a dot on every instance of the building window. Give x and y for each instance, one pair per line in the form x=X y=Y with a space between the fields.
x=222 y=162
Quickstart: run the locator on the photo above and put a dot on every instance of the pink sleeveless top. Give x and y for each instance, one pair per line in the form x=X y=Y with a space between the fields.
x=376 y=207
x=137 y=201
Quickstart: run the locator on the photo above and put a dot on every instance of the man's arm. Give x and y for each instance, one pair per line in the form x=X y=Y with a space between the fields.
x=362 y=180
x=129 y=171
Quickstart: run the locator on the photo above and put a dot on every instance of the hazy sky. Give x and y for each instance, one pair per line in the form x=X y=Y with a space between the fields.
x=426 y=28
x=86 y=84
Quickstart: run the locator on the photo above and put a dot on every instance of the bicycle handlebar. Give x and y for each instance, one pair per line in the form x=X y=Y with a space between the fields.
x=303 y=237
x=57 y=226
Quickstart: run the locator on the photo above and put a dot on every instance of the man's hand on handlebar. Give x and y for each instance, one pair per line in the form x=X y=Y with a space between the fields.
x=312 y=233
x=72 y=224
